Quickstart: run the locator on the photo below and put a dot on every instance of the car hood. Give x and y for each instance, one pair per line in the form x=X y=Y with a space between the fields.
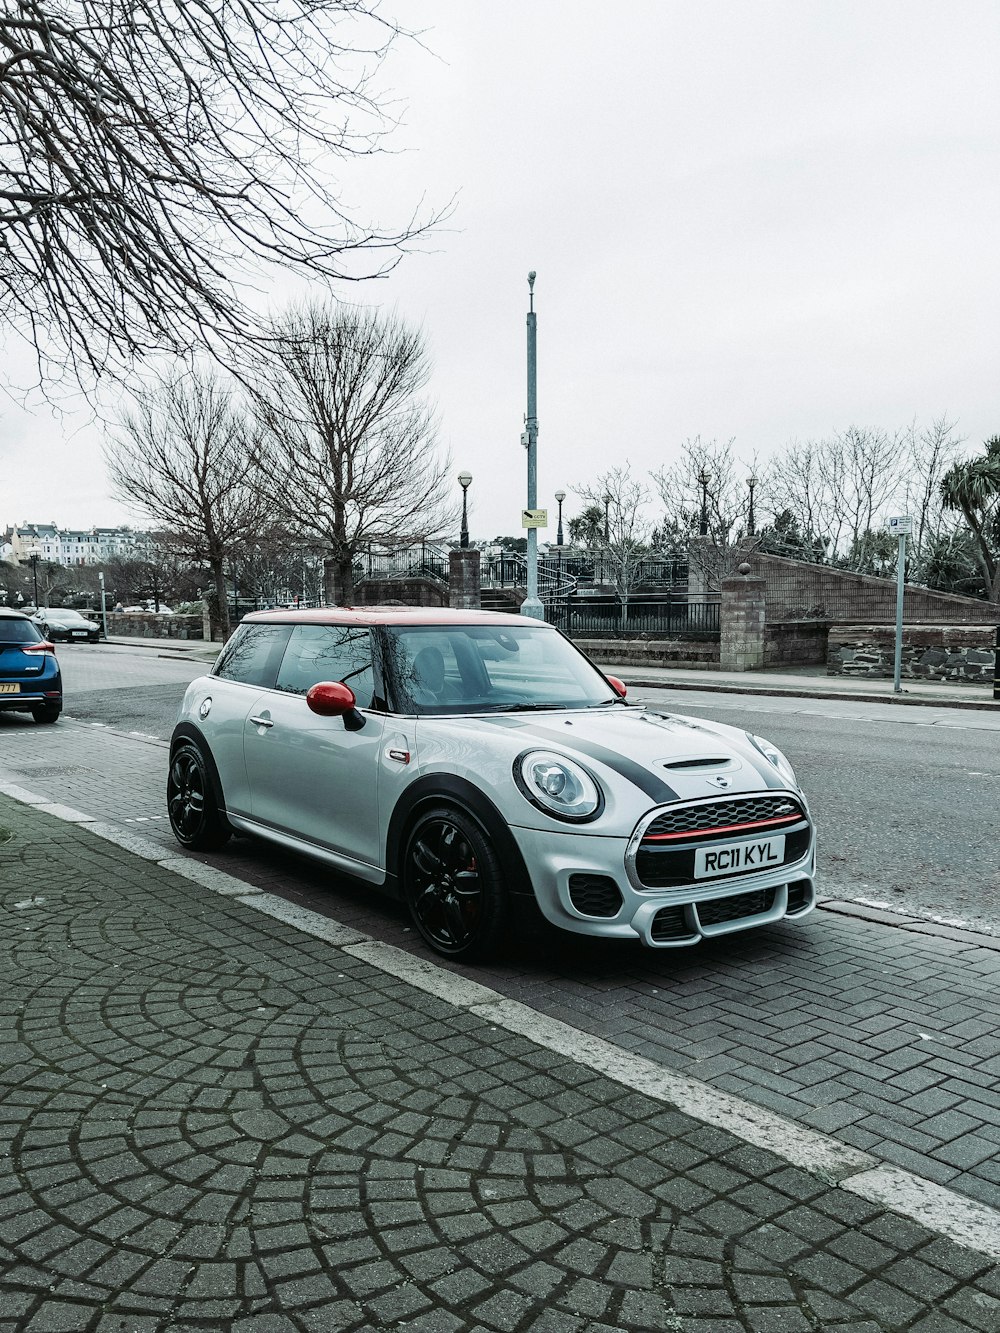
x=642 y=757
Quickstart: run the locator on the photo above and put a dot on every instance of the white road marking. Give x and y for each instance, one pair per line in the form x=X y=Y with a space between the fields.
x=939 y=1209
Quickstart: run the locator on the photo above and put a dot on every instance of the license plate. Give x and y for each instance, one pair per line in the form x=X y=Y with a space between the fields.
x=78 y=633
x=734 y=858
x=10 y=689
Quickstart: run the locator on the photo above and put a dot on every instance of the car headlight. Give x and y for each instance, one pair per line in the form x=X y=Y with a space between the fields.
x=558 y=786
x=772 y=753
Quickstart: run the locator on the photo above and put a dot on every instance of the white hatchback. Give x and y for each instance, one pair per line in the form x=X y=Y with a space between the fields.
x=468 y=761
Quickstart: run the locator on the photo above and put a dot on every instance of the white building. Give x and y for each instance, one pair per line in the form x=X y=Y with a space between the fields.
x=66 y=546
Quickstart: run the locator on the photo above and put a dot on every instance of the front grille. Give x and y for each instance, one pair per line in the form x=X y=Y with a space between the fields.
x=666 y=855
x=595 y=895
x=670 y=924
x=720 y=814
x=667 y=867
x=740 y=905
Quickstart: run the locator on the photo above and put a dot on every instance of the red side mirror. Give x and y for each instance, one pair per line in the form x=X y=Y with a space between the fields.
x=331 y=698
x=618 y=686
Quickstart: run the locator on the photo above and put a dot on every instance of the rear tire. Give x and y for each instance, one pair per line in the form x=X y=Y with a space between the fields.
x=195 y=817
x=46 y=712
x=453 y=885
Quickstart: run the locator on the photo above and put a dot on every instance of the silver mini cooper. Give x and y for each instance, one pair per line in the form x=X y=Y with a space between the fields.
x=466 y=760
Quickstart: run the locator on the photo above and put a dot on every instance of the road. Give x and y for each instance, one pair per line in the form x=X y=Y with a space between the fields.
x=881 y=1035
x=903 y=797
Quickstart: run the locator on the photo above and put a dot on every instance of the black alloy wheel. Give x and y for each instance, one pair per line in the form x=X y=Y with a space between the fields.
x=453 y=885
x=46 y=712
x=194 y=814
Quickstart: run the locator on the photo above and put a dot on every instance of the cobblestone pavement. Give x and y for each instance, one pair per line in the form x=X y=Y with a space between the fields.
x=213 y=1121
x=882 y=1036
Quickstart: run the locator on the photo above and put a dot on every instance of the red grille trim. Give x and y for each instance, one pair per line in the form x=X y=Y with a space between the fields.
x=688 y=834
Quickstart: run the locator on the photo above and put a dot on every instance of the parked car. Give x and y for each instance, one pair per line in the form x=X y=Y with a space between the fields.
x=61 y=623
x=30 y=679
x=468 y=761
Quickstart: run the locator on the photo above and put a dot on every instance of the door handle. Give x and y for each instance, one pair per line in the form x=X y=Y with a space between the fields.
x=262 y=722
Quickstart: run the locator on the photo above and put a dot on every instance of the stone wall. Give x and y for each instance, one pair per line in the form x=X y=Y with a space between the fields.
x=960 y=654
x=686 y=653
x=464 y=581
x=795 y=643
x=148 y=625
x=741 y=620
x=411 y=592
x=797 y=590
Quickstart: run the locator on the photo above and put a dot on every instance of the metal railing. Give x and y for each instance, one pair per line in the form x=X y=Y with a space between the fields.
x=662 y=616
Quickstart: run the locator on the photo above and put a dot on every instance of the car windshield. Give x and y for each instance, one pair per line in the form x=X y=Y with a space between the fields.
x=15 y=630
x=62 y=615
x=451 y=669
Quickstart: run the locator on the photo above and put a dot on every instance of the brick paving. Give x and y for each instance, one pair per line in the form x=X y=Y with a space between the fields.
x=212 y=1121
x=885 y=1038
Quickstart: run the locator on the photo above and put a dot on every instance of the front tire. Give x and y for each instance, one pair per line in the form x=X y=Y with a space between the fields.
x=46 y=712
x=453 y=885
x=195 y=817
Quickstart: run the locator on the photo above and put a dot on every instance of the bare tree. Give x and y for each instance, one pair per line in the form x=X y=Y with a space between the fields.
x=706 y=493
x=931 y=452
x=624 y=540
x=182 y=457
x=151 y=150
x=707 y=479
x=349 y=450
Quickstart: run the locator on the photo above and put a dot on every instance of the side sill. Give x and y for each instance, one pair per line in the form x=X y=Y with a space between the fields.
x=345 y=864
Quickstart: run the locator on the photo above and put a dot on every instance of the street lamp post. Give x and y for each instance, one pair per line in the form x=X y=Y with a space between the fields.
x=751 y=483
x=560 y=496
x=532 y=606
x=465 y=481
x=703 y=480
x=34 y=574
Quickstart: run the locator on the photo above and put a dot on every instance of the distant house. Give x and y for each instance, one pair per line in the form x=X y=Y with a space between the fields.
x=70 y=546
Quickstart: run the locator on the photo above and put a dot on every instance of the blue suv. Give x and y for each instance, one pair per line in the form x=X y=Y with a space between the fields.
x=30 y=680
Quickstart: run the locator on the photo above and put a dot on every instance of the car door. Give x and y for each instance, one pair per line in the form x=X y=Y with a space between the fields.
x=317 y=777
x=247 y=666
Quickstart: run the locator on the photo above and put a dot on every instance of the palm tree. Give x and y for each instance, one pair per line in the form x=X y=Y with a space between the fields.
x=973 y=487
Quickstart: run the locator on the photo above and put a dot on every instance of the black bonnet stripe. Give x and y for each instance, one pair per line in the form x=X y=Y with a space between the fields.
x=640 y=777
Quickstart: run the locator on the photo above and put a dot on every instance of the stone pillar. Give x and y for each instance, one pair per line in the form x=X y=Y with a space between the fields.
x=741 y=617
x=463 y=580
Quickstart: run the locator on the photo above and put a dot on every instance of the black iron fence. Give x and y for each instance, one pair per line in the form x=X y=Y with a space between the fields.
x=412 y=562
x=662 y=616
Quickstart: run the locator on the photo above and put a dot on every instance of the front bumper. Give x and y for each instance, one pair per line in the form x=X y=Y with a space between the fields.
x=560 y=862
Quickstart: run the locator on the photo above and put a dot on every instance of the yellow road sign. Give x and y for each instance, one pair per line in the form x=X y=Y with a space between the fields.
x=534 y=518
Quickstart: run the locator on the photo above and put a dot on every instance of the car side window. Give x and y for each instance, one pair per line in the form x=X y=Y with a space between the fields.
x=328 y=652
x=252 y=655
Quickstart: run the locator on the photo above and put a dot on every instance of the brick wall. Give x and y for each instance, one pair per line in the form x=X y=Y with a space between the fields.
x=685 y=653
x=795 y=643
x=954 y=653
x=411 y=592
x=797 y=590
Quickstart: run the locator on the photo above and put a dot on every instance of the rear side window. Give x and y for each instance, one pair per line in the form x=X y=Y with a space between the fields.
x=13 y=630
x=328 y=652
x=252 y=655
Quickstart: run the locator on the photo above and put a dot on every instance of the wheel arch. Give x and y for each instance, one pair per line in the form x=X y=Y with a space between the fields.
x=186 y=731
x=449 y=789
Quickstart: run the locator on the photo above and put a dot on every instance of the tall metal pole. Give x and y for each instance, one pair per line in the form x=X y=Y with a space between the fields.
x=532 y=606
x=900 y=580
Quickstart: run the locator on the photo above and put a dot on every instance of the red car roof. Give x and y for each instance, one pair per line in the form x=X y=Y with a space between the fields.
x=387 y=615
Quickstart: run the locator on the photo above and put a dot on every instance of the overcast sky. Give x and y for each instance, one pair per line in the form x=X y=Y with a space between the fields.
x=766 y=221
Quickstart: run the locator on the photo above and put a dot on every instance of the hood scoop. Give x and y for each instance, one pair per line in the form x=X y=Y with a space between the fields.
x=709 y=763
